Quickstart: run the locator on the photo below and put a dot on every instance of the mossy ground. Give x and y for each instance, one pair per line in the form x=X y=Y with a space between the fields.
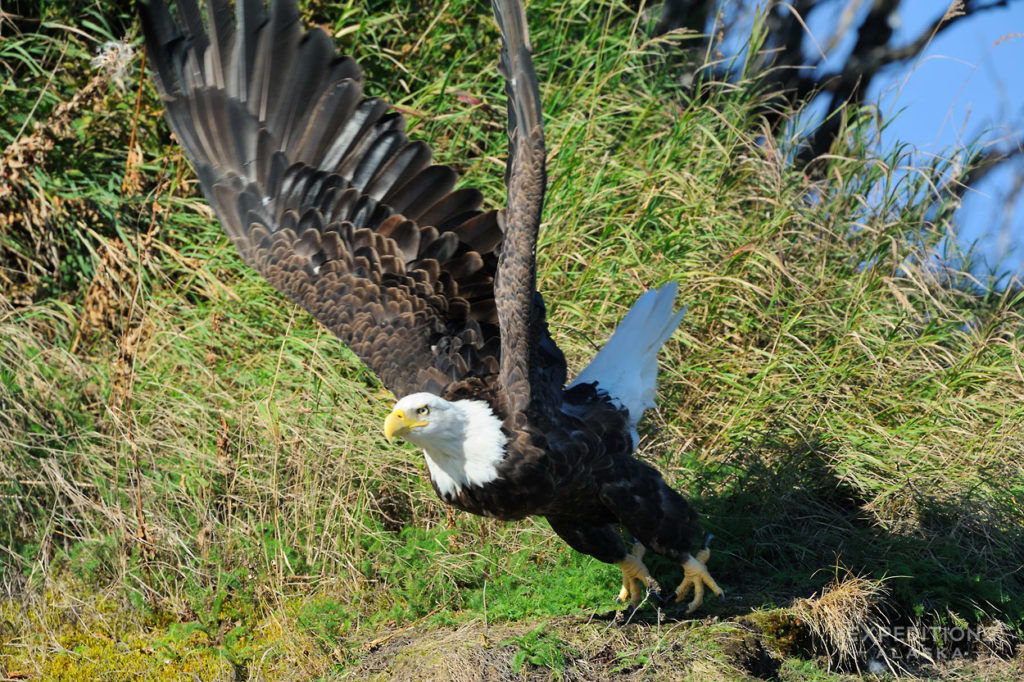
x=69 y=634
x=191 y=472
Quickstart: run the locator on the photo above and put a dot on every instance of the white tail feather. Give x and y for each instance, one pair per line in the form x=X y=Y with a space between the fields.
x=627 y=367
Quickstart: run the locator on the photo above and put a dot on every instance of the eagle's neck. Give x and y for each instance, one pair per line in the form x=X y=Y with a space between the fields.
x=468 y=453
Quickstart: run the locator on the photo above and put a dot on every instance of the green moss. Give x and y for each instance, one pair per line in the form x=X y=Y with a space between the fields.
x=106 y=660
x=785 y=632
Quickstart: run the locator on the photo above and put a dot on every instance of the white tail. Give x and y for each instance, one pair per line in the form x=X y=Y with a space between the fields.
x=627 y=367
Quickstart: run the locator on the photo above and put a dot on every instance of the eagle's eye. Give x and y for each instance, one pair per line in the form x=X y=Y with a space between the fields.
x=423 y=411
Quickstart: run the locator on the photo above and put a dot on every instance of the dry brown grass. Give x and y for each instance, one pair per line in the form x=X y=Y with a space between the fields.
x=844 y=620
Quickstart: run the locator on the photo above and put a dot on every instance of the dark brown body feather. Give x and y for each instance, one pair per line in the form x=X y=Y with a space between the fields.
x=323 y=194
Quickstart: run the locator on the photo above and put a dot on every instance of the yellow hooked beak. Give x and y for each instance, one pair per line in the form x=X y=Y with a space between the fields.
x=397 y=424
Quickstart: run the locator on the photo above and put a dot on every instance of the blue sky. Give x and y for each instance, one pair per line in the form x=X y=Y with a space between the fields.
x=968 y=83
x=966 y=86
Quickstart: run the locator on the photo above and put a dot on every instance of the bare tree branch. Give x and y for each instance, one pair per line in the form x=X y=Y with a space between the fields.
x=787 y=68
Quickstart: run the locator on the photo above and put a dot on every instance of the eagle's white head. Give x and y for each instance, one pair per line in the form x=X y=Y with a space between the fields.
x=461 y=439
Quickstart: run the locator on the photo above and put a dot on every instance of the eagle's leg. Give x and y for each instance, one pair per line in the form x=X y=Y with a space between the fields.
x=605 y=544
x=627 y=581
x=637 y=582
x=695 y=574
x=661 y=519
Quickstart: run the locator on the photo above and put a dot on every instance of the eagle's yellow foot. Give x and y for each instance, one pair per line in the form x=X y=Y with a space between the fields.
x=695 y=574
x=638 y=552
x=637 y=582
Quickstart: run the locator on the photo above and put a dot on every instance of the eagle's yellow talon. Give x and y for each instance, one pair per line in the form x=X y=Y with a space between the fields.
x=636 y=580
x=695 y=574
x=624 y=592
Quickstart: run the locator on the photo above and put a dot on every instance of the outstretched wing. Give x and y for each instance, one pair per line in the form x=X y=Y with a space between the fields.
x=324 y=195
x=527 y=353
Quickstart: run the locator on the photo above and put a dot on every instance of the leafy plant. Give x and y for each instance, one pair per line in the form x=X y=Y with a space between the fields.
x=539 y=648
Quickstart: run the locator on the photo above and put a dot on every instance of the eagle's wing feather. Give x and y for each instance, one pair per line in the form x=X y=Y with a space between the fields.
x=519 y=315
x=323 y=194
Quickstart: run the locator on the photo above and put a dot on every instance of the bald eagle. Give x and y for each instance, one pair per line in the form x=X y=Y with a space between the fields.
x=323 y=194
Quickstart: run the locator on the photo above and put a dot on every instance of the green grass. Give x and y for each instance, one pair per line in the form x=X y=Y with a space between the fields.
x=845 y=413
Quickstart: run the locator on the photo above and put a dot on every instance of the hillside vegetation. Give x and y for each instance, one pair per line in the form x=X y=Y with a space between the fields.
x=192 y=472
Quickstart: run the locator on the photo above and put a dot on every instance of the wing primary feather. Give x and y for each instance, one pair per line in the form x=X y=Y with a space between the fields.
x=302 y=85
x=352 y=132
x=250 y=18
x=332 y=108
x=221 y=38
x=413 y=158
x=366 y=144
x=193 y=20
x=275 y=55
x=378 y=153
